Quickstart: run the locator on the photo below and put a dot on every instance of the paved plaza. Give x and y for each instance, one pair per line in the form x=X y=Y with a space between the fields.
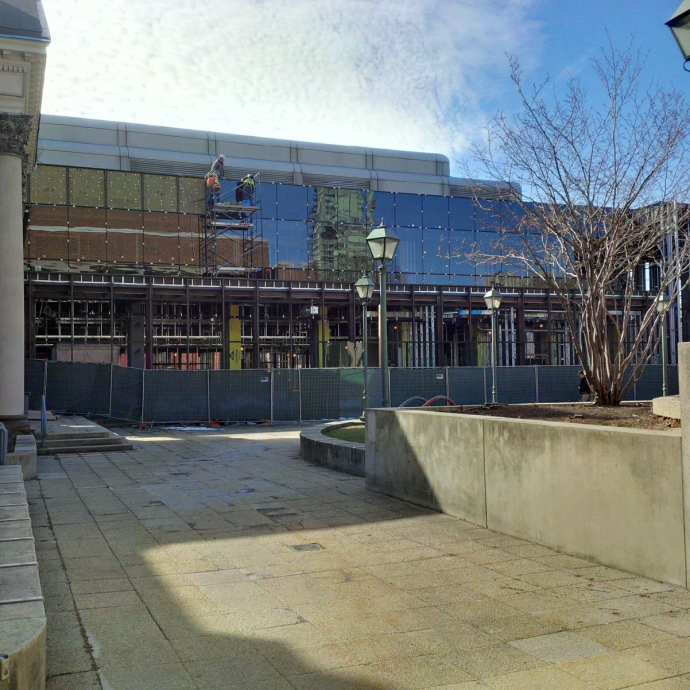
x=220 y=559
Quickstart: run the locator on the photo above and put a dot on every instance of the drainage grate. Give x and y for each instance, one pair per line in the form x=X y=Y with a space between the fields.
x=306 y=547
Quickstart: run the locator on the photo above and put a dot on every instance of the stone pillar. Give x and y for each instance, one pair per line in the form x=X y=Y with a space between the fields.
x=14 y=136
x=684 y=394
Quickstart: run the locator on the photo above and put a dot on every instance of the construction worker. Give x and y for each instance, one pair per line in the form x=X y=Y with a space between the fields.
x=248 y=185
x=218 y=167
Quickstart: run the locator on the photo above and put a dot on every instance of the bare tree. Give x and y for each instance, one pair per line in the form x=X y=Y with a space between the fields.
x=599 y=218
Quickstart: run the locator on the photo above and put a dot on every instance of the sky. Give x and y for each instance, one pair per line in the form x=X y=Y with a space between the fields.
x=396 y=74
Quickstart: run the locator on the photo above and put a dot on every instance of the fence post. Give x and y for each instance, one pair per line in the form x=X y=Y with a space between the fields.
x=484 y=369
x=143 y=389
x=447 y=384
x=110 y=396
x=299 y=393
x=536 y=382
x=272 y=393
x=45 y=377
x=208 y=395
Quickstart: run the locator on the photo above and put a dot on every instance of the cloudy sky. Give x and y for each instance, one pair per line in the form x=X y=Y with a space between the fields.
x=399 y=74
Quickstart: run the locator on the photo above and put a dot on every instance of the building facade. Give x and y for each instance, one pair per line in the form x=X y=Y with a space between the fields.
x=128 y=260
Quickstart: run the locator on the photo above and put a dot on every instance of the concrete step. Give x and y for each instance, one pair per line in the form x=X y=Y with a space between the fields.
x=107 y=447
x=52 y=442
x=68 y=436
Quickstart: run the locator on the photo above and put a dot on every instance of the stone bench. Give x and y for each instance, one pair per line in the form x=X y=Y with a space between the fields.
x=22 y=615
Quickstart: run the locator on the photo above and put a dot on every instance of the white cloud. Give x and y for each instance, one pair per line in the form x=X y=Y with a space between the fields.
x=383 y=73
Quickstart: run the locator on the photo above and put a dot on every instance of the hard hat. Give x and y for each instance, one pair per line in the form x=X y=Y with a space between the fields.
x=222 y=155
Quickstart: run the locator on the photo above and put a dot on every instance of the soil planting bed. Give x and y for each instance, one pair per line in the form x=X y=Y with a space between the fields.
x=638 y=416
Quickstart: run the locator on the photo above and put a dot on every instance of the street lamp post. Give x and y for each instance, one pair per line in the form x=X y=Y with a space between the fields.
x=679 y=24
x=493 y=302
x=365 y=290
x=382 y=244
x=663 y=303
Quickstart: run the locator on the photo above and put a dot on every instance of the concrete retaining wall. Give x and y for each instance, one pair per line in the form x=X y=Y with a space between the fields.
x=24 y=455
x=612 y=495
x=326 y=451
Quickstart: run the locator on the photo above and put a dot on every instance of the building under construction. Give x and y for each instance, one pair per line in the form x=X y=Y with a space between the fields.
x=129 y=261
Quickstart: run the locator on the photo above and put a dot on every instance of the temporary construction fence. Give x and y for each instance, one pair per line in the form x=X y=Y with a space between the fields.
x=172 y=396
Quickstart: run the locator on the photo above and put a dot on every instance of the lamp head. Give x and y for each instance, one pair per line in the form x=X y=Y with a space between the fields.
x=493 y=298
x=663 y=302
x=365 y=288
x=679 y=24
x=382 y=242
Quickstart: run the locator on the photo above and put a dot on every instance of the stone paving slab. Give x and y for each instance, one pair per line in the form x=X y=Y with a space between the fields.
x=222 y=560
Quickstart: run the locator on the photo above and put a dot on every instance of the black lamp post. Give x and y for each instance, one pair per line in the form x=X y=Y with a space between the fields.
x=493 y=301
x=365 y=289
x=679 y=24
x=382 y=244
x=663 y=303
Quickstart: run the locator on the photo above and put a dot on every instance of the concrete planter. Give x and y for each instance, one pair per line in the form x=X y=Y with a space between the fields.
x=612 y=495
x=326 y=451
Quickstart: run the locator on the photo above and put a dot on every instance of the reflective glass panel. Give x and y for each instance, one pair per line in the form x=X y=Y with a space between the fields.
x=270 y=238
x=382 y=206
x=266 y=194
x=487 y=215
x=436 y=251
x=461 y=244
x=49 y=185
x=160 y=193
x=435 y=211
x=124 y=190
x=292 y=202
x=408 y=210
x=86 y=187
x=292 y=244
x=192 y=195
x=461 y=213
x=409 y=257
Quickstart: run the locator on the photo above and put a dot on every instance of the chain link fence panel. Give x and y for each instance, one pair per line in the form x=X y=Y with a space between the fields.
x=126 y=393
x=286 y=402
x=650 y=383
x=407 y=383
x=240 y=396
x=78 y=387
x=557 y=384
x=174 y=396
x=467 y=385
x=34 y=381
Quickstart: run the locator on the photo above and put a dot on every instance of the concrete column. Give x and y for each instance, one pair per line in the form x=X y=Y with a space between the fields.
x=684 y=394
x=14 y=135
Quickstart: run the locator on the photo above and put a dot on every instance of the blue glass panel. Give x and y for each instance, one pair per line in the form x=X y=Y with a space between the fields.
x=266 y=194
x=270 y=236
x=408 y=210
x=382 y=207
x=436 y=251
x=461 y=243
x=292 y=244
x=487 y=215
x=461 y=213
x=410 y=255
x=435 y=211
x=292 y=202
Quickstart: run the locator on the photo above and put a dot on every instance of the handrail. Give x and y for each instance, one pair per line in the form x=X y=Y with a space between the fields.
x=44 y=421
x=4 y=438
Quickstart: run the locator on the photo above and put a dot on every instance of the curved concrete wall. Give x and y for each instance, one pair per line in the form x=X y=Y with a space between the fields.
x=326 y=451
